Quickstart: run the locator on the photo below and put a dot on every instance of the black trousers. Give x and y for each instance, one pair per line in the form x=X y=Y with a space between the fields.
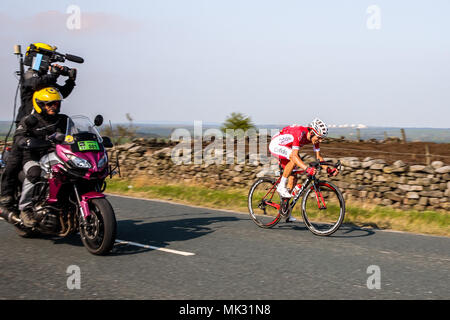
x=10 y=175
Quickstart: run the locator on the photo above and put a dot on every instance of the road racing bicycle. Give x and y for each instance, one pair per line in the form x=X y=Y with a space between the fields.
x=322 y=206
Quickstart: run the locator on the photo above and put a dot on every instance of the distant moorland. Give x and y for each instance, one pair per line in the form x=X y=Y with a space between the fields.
x=158 y=130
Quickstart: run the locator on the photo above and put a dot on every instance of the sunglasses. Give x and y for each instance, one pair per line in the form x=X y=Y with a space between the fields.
x=53 y=104
x=315 y=135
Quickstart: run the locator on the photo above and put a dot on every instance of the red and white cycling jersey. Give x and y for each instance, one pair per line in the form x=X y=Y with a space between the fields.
x=292 y=137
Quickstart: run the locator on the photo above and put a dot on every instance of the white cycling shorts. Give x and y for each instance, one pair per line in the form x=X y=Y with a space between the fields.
x=278 y=146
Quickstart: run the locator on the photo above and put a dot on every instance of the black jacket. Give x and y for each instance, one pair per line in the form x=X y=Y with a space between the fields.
x=38 y=126
x=32 y=82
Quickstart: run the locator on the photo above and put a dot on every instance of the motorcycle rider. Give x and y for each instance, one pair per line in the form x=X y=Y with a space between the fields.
x=42 y=124
x=33 y=80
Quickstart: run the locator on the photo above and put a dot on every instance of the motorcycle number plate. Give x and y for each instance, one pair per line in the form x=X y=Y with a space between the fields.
x=88 y=145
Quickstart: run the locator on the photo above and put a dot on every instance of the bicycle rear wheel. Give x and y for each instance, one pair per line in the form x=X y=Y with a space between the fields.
x=323 y=211
x=264 y=203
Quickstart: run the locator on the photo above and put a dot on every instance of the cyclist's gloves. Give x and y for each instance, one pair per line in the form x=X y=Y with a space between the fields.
x=311 y=171
x=331 y=171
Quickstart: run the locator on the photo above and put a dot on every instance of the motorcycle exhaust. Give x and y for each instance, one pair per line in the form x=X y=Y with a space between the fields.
x=9 y=216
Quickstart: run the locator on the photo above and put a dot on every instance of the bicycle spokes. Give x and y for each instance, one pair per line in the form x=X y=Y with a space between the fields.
x=264 y=203
x=323 y=209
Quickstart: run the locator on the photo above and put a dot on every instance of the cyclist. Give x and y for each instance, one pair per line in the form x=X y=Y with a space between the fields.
x=286 y=145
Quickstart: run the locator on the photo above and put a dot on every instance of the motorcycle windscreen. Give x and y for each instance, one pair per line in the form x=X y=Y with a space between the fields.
x=79 y=126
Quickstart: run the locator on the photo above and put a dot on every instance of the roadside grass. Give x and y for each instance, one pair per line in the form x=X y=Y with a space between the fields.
x=228 y=199
x=357 y=213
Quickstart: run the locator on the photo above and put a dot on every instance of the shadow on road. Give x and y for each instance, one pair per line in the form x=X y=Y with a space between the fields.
x=162 y=233
x=347 y=230
x=158 y=234
x=73 y=239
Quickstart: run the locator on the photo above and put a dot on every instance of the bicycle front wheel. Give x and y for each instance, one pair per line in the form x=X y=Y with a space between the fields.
x=264 y=203
x=323 y=210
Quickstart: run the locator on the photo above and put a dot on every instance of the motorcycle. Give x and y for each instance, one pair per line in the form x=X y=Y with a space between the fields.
x=69 y=198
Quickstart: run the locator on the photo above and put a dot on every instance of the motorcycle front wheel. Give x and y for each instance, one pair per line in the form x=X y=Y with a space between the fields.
x=98 y=233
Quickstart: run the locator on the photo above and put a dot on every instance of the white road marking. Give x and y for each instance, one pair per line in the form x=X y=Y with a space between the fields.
x=183 y=253
x=130 y=243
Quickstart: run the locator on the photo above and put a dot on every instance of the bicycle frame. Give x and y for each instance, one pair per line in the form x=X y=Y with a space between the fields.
x=304 y=187
x=320 y=200
x=300 y=192
x=296 y=197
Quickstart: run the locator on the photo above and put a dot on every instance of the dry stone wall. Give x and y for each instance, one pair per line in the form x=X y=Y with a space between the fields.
x=370 y=180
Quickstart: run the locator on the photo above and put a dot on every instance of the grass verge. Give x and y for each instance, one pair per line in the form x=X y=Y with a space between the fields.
x=426 y=222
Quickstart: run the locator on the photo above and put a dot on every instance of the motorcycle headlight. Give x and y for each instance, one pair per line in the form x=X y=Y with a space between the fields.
x=102 y=162
x=78 y=162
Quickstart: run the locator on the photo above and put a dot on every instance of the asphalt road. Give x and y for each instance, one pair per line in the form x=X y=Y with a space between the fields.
x=224 y=255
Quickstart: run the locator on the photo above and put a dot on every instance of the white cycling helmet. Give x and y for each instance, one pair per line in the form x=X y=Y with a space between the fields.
x=319 y=127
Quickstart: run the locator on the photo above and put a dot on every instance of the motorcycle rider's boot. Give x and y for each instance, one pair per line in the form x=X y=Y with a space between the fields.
x=7 y=209
x=27 y=217
x=6 y=202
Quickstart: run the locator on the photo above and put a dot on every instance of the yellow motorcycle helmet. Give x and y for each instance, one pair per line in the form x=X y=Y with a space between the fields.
x=45 y=96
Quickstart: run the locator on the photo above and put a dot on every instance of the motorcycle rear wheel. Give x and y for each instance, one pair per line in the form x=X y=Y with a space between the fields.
x=99 y=232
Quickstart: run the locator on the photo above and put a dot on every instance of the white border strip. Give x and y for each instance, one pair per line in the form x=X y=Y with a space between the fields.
x=182 y=253
x=173 y=202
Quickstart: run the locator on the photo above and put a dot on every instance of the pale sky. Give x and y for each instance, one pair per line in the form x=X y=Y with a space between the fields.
x=278 y=61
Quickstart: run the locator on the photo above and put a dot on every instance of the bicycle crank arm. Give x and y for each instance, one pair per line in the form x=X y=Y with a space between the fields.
x=272 y=204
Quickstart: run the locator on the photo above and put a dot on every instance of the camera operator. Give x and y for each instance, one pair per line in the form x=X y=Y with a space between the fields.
x=41 y=74
x=35 y=80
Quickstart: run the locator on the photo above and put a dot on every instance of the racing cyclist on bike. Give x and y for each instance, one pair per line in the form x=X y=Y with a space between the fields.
x=286 y=145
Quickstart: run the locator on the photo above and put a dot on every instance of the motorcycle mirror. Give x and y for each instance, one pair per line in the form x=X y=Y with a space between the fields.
x=98 y=121
x=107 y=143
